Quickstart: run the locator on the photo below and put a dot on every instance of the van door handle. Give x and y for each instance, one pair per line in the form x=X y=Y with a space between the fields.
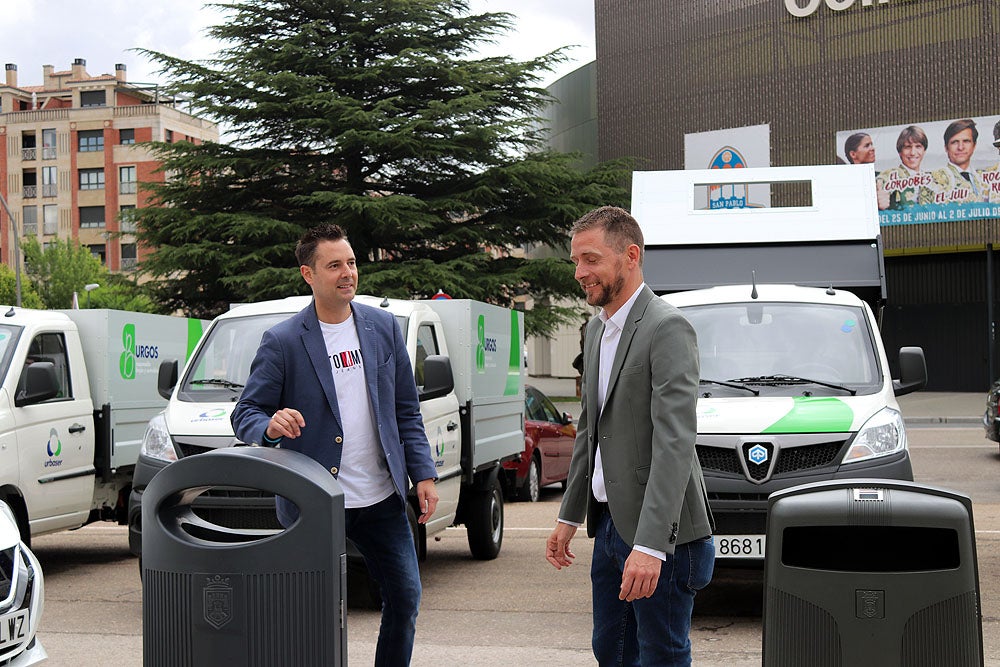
x=452 y=426
x=77 y=428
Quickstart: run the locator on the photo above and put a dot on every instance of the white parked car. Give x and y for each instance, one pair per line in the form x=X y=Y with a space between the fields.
x=21 y=597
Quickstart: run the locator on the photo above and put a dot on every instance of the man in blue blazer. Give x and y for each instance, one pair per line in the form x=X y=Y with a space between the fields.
x=634 y=476
x=334 y=382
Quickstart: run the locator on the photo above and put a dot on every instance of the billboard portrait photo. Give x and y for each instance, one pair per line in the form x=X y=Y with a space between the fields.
x=937 y=171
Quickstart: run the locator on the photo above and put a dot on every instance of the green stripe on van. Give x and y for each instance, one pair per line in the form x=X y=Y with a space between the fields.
x=815 y=415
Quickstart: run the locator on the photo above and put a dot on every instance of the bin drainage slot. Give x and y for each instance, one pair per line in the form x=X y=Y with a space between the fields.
x=870 y=548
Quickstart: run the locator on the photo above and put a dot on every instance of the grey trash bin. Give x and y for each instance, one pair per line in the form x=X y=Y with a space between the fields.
x=220 y=596
x=871 y=572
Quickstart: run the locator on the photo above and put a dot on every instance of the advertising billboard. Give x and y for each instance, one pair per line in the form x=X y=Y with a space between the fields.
x=734 y=148
x=937 y=171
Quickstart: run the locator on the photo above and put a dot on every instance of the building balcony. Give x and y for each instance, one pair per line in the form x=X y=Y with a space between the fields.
x=49 y=152
x=29 y=153
x=127 y=188
x=50 y=190
x=50 y=228
x=30 y=192
x=30 y=229
x=129 y=264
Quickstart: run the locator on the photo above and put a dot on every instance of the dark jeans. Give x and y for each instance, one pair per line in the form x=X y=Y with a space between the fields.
x=652 y=632
x=382 y=534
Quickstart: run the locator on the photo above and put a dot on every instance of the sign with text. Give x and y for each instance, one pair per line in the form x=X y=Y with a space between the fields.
x=937 y=171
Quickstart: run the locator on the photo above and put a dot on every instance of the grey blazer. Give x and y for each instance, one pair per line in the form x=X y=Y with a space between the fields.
x=646 y=432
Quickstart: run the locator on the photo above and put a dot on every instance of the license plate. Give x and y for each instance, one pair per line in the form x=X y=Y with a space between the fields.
x=13 y=628
x=739 y=546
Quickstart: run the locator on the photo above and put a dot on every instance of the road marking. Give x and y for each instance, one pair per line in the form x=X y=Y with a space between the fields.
x=990 y=447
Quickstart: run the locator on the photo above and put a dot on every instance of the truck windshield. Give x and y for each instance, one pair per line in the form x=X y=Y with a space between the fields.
x=222 y=364
x=8 y=339
x=753 y=344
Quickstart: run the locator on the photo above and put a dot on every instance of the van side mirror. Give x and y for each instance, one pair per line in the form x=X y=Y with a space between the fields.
x=38 y=383
x=438 y=378
x=912 y=371
x=166 y=378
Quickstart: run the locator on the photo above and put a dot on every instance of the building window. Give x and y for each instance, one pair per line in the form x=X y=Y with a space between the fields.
x=92 y=98
x=29 y=149
x=98 y=251
x=168 y=136
x=127 y=216
x=50 y=219
x=126 y=177
x=126 y=136
x=91 y=217
x=90 y=141
x=29 y=220
x=91 y=179
x=50 y=188
x=129 y=258
x=49 y=144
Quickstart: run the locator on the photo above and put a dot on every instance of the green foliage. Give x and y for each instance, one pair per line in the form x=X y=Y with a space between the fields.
x=8 y=290
x=61 y=268
x=64 y=267
x=374 y=115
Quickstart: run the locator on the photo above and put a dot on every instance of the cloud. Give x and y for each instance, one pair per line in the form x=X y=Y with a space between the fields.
x=55 y=32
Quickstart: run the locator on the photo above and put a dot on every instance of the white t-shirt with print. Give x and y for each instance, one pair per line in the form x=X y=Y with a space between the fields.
x=364 y=474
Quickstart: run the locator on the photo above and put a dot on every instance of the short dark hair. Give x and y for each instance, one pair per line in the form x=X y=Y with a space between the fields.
x=305 y=249
x=911 y=134
x=620 y=228
x=852 y=144
x=959 y=126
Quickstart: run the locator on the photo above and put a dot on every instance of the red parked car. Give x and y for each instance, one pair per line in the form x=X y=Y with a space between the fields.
x=548 y=447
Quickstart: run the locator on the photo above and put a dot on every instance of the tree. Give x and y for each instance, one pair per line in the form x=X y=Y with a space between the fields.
x=8 y=290
x=59 y=269
x=374 y=115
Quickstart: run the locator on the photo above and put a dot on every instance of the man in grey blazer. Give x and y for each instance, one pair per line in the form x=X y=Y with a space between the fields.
x=634 y=475
x=334 y=382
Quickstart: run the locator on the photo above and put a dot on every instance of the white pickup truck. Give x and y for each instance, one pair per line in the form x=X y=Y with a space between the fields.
x=77 y=388
x=786 y=301
x=466 y=357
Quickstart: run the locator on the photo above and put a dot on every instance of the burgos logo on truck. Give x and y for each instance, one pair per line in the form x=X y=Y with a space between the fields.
x=132 y=351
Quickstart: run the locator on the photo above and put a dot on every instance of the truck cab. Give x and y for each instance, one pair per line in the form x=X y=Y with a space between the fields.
x=795 y=382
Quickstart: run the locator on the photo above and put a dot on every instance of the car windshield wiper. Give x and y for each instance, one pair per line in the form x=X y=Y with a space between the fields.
x=780 y=379
x=222 y=382
x=753 y=391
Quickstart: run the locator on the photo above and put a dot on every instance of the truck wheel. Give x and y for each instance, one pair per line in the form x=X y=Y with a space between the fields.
x=532 y=483
x=485 y=523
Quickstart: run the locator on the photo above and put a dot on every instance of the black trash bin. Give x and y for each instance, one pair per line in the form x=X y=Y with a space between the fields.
x=214 y=595
x=871 y=572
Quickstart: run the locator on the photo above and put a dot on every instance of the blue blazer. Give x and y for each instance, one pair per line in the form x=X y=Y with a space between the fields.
x=292 y=370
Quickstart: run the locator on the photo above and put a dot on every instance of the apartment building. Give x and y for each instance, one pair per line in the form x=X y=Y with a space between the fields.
x=72 y=160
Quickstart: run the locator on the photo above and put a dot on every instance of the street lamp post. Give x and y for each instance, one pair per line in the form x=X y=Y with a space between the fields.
x=89 y=287
x=17 y=253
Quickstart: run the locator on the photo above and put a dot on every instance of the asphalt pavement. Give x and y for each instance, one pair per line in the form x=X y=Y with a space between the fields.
x=920 y=407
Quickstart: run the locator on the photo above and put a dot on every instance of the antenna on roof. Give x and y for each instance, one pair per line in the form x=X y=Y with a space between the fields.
x=830 y=291
x=385 y=302
x=753 y=281
x=9 y=313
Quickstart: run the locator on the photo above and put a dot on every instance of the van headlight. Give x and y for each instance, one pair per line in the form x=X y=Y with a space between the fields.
x=881 y=435
x=156 y=441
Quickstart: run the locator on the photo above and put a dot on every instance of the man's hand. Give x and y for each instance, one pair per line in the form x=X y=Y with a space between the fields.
x=640 y=576
x=427 y=499
x=285 y=423
x=557 y=549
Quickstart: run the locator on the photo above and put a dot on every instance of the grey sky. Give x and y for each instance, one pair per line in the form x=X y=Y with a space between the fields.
x=55 y=32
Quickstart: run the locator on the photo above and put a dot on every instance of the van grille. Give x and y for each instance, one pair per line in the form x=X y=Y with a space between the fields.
x=789 y=460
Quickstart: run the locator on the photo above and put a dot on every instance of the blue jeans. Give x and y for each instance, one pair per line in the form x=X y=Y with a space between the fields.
x=653 y=631
x=382 y=534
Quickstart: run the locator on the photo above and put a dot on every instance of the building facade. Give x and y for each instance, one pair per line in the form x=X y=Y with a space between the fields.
x=810 y=72
x=73 y=158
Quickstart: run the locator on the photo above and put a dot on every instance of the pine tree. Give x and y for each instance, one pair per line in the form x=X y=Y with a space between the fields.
x=376 y=115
